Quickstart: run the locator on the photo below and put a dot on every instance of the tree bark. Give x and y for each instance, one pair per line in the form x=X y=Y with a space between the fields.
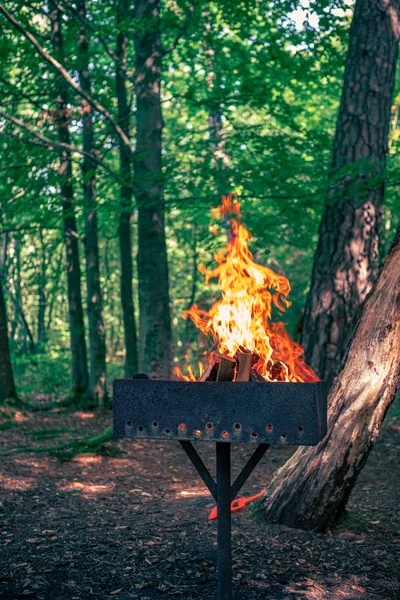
x=7 y=386
x=124 y=229
x=97 y=379
x=18 y=302
x=79 y=370
x=311 y=490
x=41 y=331
x=346 y=259
x=220 y=159
x=155 y=318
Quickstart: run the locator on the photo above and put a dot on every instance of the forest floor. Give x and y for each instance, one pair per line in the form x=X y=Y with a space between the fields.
x=136 y=525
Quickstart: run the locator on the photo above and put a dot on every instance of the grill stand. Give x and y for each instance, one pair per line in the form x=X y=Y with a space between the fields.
x=223 y=493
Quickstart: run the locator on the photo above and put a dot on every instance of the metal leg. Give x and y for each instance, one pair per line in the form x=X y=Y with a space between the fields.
x=200 y=467
x=224 y=521
x=248 y=469
x=224 y=493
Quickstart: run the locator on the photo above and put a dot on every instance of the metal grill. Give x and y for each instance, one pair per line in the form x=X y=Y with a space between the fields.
x=223 y=412
x=256 y=412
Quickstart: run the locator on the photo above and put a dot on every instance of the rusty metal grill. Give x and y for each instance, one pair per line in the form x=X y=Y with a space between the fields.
x=223 y=412
x=256 y=412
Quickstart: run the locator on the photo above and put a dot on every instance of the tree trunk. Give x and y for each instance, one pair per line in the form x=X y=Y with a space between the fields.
x=18 y=302
x=124 y=230
x=155 y=318
x=311 y=490
x=7 y=386
x=41 y=331
x=79 y=370
x=97 y=380
x=346 y=259
x=220 y=158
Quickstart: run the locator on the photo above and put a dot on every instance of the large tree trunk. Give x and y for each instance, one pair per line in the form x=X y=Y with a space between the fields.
x=97 y=343
x=79 y=370
x=155 y=319
x=124 y=230
x=346 y=259
x=311 y=490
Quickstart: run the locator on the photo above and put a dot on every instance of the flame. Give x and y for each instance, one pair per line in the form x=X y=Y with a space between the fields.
x=240 y=320
x=190 y=376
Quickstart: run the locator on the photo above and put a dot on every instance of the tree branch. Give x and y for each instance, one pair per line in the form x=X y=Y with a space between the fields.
x=87 y=24
x=17 y=92
x=54 y=63
x=51 y=144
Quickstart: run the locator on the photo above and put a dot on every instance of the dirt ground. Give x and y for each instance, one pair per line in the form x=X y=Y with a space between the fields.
x=136 y=525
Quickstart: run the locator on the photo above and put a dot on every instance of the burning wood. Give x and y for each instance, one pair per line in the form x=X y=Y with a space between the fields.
x=250 y=345
x=244 y=362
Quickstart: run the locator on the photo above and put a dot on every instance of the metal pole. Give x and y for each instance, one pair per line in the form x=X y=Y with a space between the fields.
x=224 y=548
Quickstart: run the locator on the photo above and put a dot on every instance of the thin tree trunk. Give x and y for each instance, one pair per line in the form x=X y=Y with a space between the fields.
x=124 y=229
x=7 y=386
x=220 y=158
x=311 y=490
x=97 y=343
x=56 y=277
x=41 y=331
x=189 y=325
x=155 y=318
x=18 y=301
x=79 y=370
x=346 y=259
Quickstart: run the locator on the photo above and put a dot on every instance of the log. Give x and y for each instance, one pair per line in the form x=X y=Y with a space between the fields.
x=311 y=490
x=210 y=374
x=226 y=369
x=255 y=376
x=244 y=360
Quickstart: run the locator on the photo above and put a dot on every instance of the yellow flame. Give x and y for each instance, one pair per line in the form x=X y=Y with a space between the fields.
x=240 y=320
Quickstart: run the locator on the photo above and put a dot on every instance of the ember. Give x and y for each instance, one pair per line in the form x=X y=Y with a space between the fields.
x=240 y=322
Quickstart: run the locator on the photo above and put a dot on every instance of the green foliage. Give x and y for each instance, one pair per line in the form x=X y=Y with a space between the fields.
x=272 y=72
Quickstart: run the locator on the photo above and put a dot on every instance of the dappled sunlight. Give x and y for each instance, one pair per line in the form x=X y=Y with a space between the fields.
x=83 y=415
x=197 y=491
x=312 y=589
x=16 y=484
x=37 y=463
x=20 y=417
x=87 y=488
x=87 y=459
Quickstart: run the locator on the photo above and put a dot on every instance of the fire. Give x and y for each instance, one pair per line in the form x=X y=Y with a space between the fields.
x=241 y=320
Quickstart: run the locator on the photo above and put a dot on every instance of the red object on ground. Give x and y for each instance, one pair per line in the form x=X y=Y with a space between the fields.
x=237 y=504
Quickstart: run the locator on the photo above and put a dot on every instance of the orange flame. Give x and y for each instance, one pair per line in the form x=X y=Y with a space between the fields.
x=240 y=320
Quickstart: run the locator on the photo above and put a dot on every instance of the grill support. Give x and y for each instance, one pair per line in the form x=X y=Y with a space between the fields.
x=224 y=493
x=224 y=539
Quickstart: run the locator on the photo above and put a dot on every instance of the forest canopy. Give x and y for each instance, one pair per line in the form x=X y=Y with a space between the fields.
x=248 y=104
